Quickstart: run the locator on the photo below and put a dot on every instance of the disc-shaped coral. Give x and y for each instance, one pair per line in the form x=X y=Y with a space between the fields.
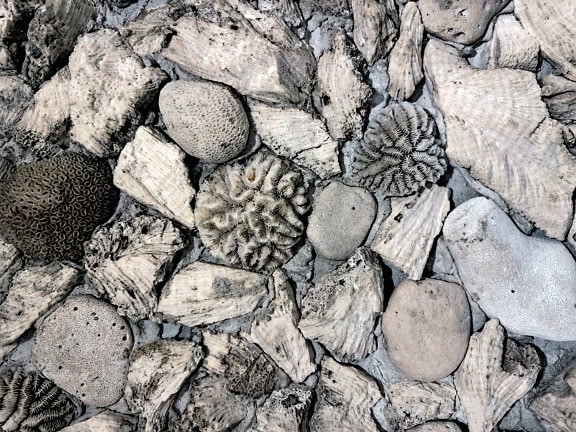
x=400 y=152
x=250 y=214
x=49 y=208
x=31 y=403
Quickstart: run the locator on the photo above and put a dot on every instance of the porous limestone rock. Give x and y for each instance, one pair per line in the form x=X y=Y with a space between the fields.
x=33 y=292
x=109 y=84
x=427 y=326
x=525 y=282
x=462 y=21
x=494 y=118
x=277 y=333
x=202 y=293
x=207 y=120
x=152 y=170
x=342 y=309
x=340 y=220
x=83 y=346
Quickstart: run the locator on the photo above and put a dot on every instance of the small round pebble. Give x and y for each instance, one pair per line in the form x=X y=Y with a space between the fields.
x=427 y=328
x=84 y=346
x=340 y=220
x=207 y=120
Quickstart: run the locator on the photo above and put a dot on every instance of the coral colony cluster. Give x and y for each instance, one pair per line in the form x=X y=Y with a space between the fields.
x=287 y=215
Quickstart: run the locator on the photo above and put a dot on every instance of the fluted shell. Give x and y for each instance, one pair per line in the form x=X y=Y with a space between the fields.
x=400 y=152
x=495 y=373
x=250 y=215
x=31 y=403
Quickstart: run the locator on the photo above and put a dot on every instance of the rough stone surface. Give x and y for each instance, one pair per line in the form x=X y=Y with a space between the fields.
x=83 y=346
x=340 y=220
x=462 y=21
x=525 y=282
x=10 y=262
x=436 y=426
x=427 y=326
x=206 y=120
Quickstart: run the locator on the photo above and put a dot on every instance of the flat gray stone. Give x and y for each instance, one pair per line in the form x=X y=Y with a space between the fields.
x=528 y=283
x=340 y=220
x=427 y=327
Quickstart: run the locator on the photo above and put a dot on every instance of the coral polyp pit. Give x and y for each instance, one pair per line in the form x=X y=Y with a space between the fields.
x=250 y=215
x=49 y=208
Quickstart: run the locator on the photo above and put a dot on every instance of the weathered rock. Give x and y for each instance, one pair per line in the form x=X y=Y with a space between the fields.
x=411 y=403
x=297 y=136
x=340 y=221
x=83 y=346
x=427 y=326
x=559 y=95
x=462 y=21
x=32 y=403
x=555 y=405
x=375 y=27
x=206 y=120
x=512 y=46
x=106 y=421
x=14 y=98
x=406 y=237
x=551 y=24
x=152 y=170
x=284 y=410
x=157 y=372
x=109 y=83
x=204 y=293
x=276 y=332
x=33 y=292
x=10 y=263
x=525 y=282
x=128 y=260
x=405 y=63
x=252 y=45
x=346 y=397
x=49 y=111
x=436 y=426
x=342 y=93
x=495 y=373
x=52 y=35
x=342 y=309
x=491 y=138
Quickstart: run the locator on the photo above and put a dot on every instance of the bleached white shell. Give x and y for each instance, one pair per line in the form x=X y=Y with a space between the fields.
x=512 y=46
x=375 y=27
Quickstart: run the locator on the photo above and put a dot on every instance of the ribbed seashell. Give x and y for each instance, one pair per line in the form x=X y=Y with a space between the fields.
x=400 y=152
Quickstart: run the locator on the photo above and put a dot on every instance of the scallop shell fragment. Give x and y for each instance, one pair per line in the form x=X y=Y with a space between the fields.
x=498 y=128
x=405 y=63
x=552 y=24
x=375 y=27
x=106 y=421
x=496 y=372
x=512 y=46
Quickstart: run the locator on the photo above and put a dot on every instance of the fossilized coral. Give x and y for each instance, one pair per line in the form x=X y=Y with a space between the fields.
x=49 y=208
x=400 y=152
x=250 y=215
x=31 y=403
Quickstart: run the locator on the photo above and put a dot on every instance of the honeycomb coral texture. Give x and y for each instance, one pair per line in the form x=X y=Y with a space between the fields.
x=400 y=152
x=30 y=403
x=250 y=215
x=49 y=208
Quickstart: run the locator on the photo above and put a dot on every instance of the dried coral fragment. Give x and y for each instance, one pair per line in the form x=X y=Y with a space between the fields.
x=49 y=208
x=495 y=373
x=250 y=215
x=31 y=403
x=400 y=152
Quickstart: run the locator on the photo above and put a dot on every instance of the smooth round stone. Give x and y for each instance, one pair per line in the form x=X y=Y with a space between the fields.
x=340 y=221
x=84 y=347
x=427 y=328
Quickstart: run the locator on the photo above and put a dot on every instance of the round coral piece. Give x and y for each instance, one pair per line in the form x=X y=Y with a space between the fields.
x=49 y=208
x=251 y=215
x=206 y=120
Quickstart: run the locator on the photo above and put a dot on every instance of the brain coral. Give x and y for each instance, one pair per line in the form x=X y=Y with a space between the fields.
x=31 y=403
x=206 y=119
x=250 y=215
x=400 y=152
x=49 y=208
